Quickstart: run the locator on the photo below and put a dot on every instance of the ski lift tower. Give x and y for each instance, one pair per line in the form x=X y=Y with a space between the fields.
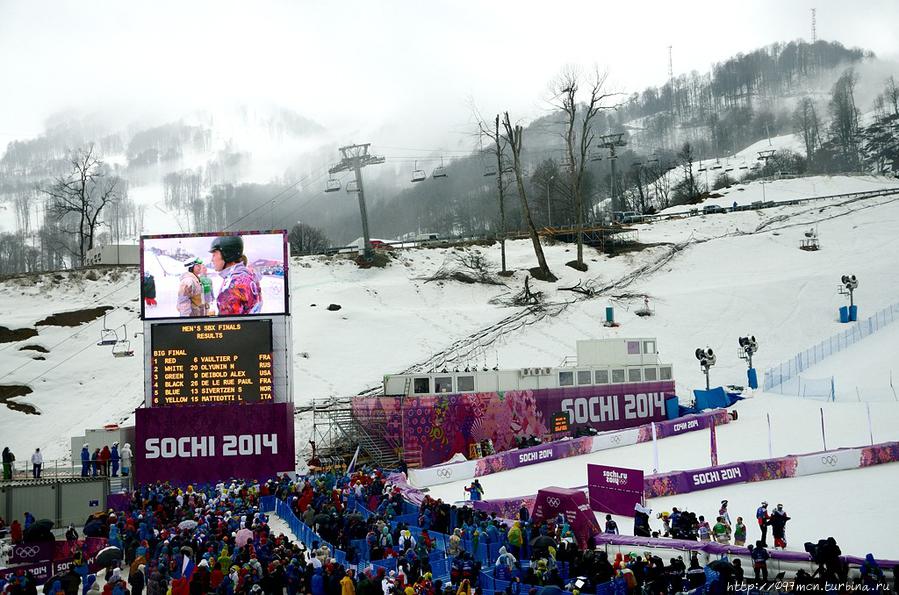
x=610 y=142
x=354 y=158
x=706 y=360
x=748 y=347
x=765 y=156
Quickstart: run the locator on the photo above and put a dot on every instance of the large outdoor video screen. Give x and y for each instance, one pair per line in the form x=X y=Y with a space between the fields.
x=224 y=274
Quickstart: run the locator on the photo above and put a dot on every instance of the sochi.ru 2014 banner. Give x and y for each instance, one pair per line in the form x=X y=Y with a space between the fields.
x=212 y=443
x=614 y=490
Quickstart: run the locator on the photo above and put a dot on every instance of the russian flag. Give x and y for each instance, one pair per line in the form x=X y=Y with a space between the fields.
x=187 y=567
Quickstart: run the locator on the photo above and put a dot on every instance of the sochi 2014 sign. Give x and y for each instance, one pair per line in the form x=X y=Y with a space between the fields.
x=212 y=443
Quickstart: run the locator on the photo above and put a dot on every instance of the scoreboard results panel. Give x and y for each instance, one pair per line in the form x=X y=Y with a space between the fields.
x=208 y=361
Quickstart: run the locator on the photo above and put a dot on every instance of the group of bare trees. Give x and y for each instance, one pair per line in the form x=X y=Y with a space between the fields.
x=579 y=109
x=59 y=221
x=837 y=141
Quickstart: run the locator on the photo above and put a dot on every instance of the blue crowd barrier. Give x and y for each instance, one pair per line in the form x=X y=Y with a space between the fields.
x=617 y=586
x=267 y=503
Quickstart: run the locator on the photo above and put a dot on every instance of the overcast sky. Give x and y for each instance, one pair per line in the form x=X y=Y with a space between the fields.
x=366 y=65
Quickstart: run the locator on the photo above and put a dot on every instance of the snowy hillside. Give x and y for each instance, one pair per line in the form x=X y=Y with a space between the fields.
x=710 y=279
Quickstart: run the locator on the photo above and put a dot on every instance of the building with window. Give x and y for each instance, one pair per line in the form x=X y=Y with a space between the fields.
x=429 y=417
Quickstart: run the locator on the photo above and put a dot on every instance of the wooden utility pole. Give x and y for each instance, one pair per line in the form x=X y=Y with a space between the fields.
x=354 y=158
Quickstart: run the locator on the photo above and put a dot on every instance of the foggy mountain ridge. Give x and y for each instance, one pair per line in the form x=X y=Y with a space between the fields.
x=265 y=166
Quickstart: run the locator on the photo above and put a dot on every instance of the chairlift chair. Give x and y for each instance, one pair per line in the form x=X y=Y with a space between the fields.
x=418 y=175
x=439 y=171
x=122 y=348
x=489 y=171
x=595 y=157
x=332 y=185
x=108 y=336
x=726 y=169
x=352 y=187
x=701 y=169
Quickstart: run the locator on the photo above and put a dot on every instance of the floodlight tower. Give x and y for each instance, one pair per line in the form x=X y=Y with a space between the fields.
x=748 y=347
x=706 y=359
x=847 y=287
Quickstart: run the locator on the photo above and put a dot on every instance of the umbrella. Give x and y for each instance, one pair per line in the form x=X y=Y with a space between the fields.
x=242 y=537
x=188 y=525
x=69 y=580
x=543 y=541
x=724 y=568
x=321 y=519
x=41 y=530
x=108 y=555
x=93 y=529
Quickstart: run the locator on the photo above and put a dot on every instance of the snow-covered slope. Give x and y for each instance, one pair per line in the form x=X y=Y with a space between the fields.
x=710 y=279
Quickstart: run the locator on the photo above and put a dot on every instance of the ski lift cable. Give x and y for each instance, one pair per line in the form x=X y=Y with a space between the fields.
x=80 y=328
x=64 y=360
x=270 y=202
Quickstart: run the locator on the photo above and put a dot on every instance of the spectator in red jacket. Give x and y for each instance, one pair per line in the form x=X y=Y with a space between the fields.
x=15 y=531
x=104 y=460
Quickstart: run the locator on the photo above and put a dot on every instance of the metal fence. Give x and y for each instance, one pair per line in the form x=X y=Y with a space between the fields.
x=780 y=378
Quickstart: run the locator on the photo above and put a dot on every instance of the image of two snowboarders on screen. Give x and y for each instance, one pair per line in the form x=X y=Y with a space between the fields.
x=240 y=292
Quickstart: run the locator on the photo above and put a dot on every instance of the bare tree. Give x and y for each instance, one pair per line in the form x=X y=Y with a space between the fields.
x=306 y=239
x=499 y=145
x=891 y=95
x=578 y=136
x=513 y=136
x=845 y=117
x=806 y=124
x=686 y=157
x=77 y=199
x=661 y=186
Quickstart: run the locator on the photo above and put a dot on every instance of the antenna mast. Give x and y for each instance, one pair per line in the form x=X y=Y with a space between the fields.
x=671 y=64
x=814 y=32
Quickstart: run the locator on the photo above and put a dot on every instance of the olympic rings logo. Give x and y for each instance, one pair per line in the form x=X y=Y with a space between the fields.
x=829 y=460
x=553 y=502
x=27 y=551
x=616 y=439
x=444 y=473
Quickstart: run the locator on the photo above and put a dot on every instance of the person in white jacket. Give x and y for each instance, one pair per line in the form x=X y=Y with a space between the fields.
x=126 y=455
x=37 y=461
